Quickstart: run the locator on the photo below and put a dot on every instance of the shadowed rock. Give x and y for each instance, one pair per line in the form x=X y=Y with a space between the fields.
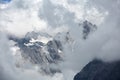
x=98 y=70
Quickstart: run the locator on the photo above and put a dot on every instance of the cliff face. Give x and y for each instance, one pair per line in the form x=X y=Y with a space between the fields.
x=38 y=49
x=98 y=70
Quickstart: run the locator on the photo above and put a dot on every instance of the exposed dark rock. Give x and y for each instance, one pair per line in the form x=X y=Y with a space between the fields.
x=39 y=53
x=88 y=27
x=53 y=47
x=98 y=70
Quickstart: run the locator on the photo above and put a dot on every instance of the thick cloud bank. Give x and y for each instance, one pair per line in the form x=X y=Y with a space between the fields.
x=58 y=16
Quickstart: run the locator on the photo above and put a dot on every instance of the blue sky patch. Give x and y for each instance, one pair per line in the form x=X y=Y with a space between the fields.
x=4 y=1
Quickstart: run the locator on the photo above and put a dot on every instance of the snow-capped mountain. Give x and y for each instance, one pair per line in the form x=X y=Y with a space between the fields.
x=39 y=49
x=43 y=50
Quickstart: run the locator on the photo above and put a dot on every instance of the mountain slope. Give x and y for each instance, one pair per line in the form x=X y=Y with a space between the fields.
x=98 y=70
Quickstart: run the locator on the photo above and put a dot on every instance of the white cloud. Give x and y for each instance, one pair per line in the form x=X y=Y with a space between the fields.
x=23 y=18
x=53 y=16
